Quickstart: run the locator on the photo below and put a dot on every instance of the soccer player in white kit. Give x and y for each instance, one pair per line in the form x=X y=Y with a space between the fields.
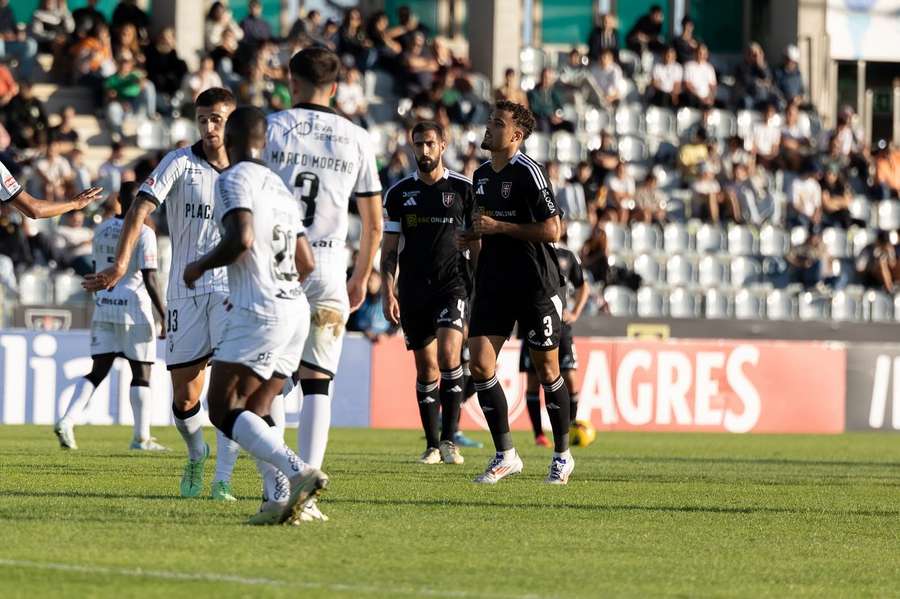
x=267 y=255
x=14 y=194
x=325 y=159
x=185 y=183
x=122 y=326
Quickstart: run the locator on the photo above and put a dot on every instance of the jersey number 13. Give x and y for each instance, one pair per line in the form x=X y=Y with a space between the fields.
x=307 y=185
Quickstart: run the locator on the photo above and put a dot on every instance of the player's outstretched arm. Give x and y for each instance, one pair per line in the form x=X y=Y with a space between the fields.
x=547 y=231
x=372 y=228
x=237 y=238
x=32 y=207
x=131 y=231
x=389 y=257
x=304 y=261
x=151 y=282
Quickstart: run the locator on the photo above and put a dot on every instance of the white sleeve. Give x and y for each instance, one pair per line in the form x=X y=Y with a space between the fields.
x=233 y=192
x=147 y=254
x=367 y=181
x=9 y=187
x=160 y=181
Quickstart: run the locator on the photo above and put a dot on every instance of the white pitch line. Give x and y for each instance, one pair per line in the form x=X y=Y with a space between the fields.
x=272 y=582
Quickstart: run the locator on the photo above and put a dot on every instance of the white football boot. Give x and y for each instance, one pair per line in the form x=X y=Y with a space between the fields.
x=432 y=455
x=450 y=453
x=65 y=432
x=561 y=468
x=500 y=467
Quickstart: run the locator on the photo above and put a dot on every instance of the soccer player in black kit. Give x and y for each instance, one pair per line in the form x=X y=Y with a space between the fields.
x=427 y=208
x=575 y=294
x=517 y=279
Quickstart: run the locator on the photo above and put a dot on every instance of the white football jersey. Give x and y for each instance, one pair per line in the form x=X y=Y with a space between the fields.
x=9 y=187
x=263 y=279
x=128 y=302
x=324 y=159
x=185 y=182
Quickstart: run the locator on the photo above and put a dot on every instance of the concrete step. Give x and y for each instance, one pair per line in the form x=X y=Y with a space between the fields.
x=56 y=97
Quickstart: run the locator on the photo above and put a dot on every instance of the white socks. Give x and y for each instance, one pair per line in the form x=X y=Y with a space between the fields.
x=226 y=455
x=312 y=436
x=265 y=443
x=276 y=411
x=191 y=429
x=275 y=484
x=84 y=389
x=140 y=407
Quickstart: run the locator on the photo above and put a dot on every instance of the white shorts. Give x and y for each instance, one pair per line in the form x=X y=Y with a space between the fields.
x=193 y=328
x=267 y=346
x=326 y=290
x=132 y=341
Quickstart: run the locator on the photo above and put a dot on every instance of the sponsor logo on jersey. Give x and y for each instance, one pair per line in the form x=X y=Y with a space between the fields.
x=501 y=213
x=448 y=197
x=10 y=182
x=548 y=198
x=411 y=220
x=505 y=188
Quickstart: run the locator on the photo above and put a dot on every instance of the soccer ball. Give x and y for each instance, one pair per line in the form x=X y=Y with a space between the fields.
x=582 y=433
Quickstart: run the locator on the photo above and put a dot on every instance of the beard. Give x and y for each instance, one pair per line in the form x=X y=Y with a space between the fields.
x=426 y=165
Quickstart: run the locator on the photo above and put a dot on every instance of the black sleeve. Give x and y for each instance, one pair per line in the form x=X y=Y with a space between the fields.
x=541 y=201
x=392 y=222
x=575 y=274
x=468 y=197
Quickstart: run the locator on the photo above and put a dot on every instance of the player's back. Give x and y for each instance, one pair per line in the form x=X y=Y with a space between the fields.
x=265 y=277
x=128 y=302
x=324 y=159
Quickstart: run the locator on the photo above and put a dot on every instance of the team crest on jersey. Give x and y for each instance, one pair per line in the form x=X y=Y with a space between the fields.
x=149 y=182
x=449 y=196
x=505 y=188
x=9 y=182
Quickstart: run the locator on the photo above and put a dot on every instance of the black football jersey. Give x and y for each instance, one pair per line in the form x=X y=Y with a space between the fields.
x=520 y=193
x=570 y=266
x=428 y=216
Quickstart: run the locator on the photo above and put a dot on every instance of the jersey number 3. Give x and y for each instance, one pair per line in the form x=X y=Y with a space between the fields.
x=308 y=185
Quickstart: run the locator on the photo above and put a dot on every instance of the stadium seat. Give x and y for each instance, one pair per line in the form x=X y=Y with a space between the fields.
x=577 y=232
x=711 y=272
x=666 y=178
x=629 y=119
x=566 y=147
x=637 y=171
x=35 y=287
x=67 y=289
x=721 y=124
x=836 y=243
x=679 y=271
x=661 y=123
x=481 y=85
x=773 y=241
x=650 y=302
x=531 y=61
x=649 y=269
x=845 y=306
x=741 y=241
x=718 y=303
x=799 y=236
x=631 y=62
x=813 y=306
x=596 y=121
x=776 y=272
x=748 y=305
x=645 y=238
x=710 y=238
x=897 y=307
x=152 y=135
x=538 y=146
x=684 y=303
x=633 y=149
x=780 y=305
x=685 y=119
x=746 y=120
x=621 y=300
x=8 y=280
x=617 y=238
x=745 y=271
x=878 y=306
x=861 y=209
x=889 y=215
x=676 y=238
x=183 y=130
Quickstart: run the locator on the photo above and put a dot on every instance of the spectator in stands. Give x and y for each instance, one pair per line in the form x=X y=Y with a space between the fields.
x=700 y=82
x=396 y=169
x=13 y=239
x=876 y=265
x=93 y=60
x=754 y=85
x=665 y=86
x=53 y=176
x=646 y=35
x=350 y=99
x=73 y=243
x=574 y=75
x=887 y=169
x=693 y=154
x=255 y=89
x=834 y=157
x=604 y=36
x=218 y=19
x=88 y=17
x=81 y=179
x=353 y=46
x=686 y=45
x=593 y=254
x=369 y=319
x=166 y=69
x=546 y=104
x=65 y=133
x=805 y=198
x=557 y=181
x=796 y=139
x=608 y=80
x=603 y=161
x=420 y=65
x=15 y=42
x=128 y=90
x=125 y=40
x=255 y=27
x=51 y=24
x=26 y=119
x=836 y=199
x=306 y=27
x=750 y=206
x=511 y=90
x=576 y=198
x=387 y=48
x=766 y=139
x=408 y=27
x=789 y=80
x=9 y=89
x=620 y=187
x=224 y=58
x=650 y=202
x=736 y=153
x=711 y=203
x=849 y=140
x=129 y=13
x=202 y=79
x=806 y=261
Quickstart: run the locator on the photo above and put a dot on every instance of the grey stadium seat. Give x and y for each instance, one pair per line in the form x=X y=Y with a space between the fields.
x=684 y=303
x=650 y=302
x=845 y=306
x=748 y=305
x=67 y=288
x=685 y=119
x=633 y=149
x=649 y=269
x=35 y=287
x=835 y=240
x=679 y=270
x=629 y=119
x=745 y=271
x=813 y=306
x=780 y=305
x=776 y=271
x=710 y=238
x=676 y=238
x=799 y=235
x=660 y=122
x=538 y=147
x=860 y=238
x=617 y=238
x=746 y=120
x=597 y=120
x=888 y=215
x=722 y=124
x=645 y=238
x=741 y=241
x=718 y=303
x=773 y=241
x=861 y=209
x=566 y=147
x=711 y=271
x=897 y=307
x=878 y=306
x=621 y=300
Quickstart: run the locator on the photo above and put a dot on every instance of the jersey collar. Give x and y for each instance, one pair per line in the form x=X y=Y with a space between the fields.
x=446 y=174
x=318 y=107
x=197 y=149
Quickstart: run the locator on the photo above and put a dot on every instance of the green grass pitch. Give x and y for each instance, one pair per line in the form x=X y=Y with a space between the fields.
x=657 y=515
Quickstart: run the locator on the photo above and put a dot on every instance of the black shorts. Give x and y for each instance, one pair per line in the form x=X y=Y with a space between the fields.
x=421 y=319
x=568 y=357
x=539 y=318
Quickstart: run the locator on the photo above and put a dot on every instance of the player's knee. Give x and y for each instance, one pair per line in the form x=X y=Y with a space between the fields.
x=100 y=368
x=315 y=386
x=224 y=419
x=547 y=371
x=448 y=361
x=481 y=371
x=140 y=374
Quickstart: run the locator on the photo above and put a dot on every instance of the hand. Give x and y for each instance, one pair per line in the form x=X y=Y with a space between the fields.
x=192 y=272
x=86 y=197
x=464 y=238
x=356 y=291
x=105 y=279
x=567 y=317
x=162 y=329
x=391 y=309
x=485 y=225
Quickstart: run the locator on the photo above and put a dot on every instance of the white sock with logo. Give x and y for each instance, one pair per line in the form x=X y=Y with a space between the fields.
x=226 y=455
x=312 y=434
x=275 y=484
x=191 y=429
x=84 y=389
x=140 y=407
x=264 y=443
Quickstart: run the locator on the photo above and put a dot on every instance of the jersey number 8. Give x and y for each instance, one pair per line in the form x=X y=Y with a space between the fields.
x=308 y=185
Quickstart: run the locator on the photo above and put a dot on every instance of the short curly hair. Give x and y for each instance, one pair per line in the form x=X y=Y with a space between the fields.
x=522 y=117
